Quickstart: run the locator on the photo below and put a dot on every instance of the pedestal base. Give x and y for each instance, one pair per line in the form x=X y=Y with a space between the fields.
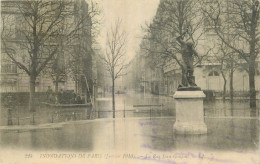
x=189 y=113
x=190 y=128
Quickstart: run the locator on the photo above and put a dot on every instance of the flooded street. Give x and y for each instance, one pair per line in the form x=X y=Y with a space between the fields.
x=230 y=127
x=166 y=105
x=136 y=134
x=127 y=105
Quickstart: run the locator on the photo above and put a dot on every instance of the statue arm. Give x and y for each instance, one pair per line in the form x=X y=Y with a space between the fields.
x=180 y=40
x=196 y=54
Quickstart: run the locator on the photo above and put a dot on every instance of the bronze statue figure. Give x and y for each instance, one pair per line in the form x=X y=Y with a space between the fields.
x=188 y=52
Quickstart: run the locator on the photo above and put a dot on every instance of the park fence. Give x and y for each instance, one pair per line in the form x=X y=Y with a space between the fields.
x=137 y=111
x=45 y=115
x=11 y=116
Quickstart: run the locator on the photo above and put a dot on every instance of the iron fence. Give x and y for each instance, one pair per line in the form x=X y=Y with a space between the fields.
x=11 y=116
x=136 y=111
x=14 y=117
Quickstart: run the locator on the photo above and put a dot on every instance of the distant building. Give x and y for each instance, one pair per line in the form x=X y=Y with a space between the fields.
x=207 y=76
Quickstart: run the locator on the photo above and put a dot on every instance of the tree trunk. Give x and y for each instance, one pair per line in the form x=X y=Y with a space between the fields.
x=231 y=82
x=88 y=93
x=32 y=93
x=56 y=85
x=113 y=97
x=56 y=90
x=86 y=96
x=253 y=55
x=252 y=86
x=224 y=86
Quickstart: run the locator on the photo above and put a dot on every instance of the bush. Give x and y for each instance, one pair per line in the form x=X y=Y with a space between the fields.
x=210 y=94
x=20 y=98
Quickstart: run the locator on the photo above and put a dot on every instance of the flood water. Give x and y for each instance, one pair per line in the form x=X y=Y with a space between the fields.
x=127 y=105
x=230 y=127
x=142 y=134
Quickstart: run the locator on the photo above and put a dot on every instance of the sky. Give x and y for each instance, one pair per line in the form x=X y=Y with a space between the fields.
x=134 y=14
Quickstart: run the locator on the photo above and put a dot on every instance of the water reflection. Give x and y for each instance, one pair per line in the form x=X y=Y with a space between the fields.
x=216 y=108
x=230 y=127
x=67 y=138
x=137 y=134
x=224 y=134
x=125 y=107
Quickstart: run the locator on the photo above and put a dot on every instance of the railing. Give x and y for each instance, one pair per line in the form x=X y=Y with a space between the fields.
x=136 y=111
x=14 y=117
x=151 y=110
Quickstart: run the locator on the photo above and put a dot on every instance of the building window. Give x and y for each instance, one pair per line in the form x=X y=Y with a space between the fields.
x=210 y=24
x=8 y=68
x=9 y=24
x=213 y=73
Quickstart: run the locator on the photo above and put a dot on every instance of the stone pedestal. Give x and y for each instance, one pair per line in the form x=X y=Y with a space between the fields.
x=189 y=112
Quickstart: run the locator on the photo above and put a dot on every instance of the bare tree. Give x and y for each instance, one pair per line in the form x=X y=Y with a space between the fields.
x=58 y=68
x=239 y=31
x=172 y=19
x=225 y=57
x=83 y=53
x=40 y=24
x=115 y=56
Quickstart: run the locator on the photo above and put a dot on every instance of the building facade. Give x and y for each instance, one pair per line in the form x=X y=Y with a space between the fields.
x=61 y=72
x=209 y=74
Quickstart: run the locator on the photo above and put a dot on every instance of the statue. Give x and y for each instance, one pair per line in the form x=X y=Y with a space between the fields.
x=188 y=52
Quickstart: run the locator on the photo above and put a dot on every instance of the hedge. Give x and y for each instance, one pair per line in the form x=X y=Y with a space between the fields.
x=20 y=98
